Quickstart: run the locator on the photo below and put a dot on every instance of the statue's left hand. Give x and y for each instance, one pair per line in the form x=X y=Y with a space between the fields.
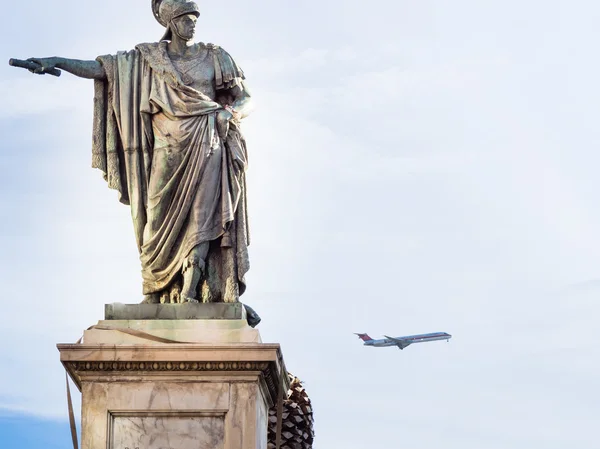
x=223 y=117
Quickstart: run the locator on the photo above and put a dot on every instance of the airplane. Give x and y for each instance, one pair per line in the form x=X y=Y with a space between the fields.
x=403 y=342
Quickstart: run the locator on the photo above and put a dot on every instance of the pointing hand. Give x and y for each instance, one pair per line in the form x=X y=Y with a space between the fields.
x=45 y=65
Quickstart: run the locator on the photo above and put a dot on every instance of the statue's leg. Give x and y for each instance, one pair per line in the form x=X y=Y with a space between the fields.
x=192 y=271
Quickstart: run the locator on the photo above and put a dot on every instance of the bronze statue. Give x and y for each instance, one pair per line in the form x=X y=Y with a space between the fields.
x=167 y=137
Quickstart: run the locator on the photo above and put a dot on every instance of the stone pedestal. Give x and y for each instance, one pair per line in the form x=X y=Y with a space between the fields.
x=212 y=392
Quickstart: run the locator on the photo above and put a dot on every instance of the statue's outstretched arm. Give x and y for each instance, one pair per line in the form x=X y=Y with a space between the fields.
x=82 y=69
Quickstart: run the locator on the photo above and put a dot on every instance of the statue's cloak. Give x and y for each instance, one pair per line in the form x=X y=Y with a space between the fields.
x=156 y=143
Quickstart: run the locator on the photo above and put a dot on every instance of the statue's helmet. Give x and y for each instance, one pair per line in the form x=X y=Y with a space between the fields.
x=167 y=10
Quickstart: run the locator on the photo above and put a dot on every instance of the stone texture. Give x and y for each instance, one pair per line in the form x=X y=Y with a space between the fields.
x=114 y=332
x=159 y=432
x=180 y=408
x=186 y=311
x=175 y=396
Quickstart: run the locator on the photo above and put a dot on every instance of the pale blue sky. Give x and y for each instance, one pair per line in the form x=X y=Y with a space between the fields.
x=415 y=166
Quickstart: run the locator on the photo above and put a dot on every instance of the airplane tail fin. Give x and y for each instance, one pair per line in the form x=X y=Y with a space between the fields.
x=364 y=337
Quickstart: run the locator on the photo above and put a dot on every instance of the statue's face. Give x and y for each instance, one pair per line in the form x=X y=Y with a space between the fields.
x=185 y=26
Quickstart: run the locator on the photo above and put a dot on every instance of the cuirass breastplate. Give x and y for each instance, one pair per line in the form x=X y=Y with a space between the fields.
x=198 y=71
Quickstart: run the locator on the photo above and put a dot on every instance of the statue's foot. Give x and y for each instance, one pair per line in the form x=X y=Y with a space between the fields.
x=188 y=299
x=152 y=298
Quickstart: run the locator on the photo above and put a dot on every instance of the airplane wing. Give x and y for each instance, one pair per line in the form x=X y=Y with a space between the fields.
x=400 y=343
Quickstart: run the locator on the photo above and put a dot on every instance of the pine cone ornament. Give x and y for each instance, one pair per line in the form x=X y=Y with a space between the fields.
x=297 y=430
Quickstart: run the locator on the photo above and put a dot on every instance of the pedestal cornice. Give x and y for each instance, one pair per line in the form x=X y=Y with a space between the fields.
x=193 y=361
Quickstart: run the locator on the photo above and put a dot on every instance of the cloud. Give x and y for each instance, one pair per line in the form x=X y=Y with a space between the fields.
x=437 y=174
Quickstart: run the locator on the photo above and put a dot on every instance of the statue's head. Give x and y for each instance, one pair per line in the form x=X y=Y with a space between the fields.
x=178 y=16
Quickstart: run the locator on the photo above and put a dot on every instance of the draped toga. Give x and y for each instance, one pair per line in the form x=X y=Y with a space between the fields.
x=156 y=142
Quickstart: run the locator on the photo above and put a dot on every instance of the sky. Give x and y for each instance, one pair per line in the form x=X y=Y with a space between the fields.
x=415 y=166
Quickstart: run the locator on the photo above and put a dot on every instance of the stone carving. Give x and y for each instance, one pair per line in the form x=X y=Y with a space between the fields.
x=167 y=137
x=171 y=366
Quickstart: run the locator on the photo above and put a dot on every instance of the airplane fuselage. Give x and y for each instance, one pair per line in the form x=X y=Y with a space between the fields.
x=409 y=339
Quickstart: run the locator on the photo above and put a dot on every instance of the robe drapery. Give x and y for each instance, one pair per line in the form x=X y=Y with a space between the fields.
x=156 y=142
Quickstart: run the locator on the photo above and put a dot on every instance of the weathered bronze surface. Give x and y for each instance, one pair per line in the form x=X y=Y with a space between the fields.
x=167 y=137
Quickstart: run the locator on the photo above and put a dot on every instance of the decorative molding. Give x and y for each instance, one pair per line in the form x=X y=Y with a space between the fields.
x=91 y=363
x=109 y=366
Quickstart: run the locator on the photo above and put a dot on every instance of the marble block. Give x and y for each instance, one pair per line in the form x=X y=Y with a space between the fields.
x=174 y=395
x=115 y=332
x=164 y=431
x=187 y=311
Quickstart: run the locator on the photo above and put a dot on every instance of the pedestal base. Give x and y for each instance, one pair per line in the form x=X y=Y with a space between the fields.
x=148 y=395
